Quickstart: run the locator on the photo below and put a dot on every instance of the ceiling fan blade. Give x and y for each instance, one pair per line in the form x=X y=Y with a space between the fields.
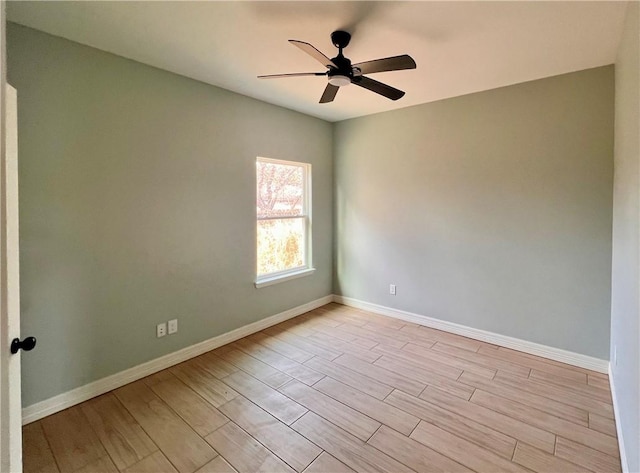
x=378 y=87
x=395 y=63
x=314 y=53
x=329 y=93
x=295 y=74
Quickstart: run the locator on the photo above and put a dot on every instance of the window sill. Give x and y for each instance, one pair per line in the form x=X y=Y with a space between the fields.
x=271 y=280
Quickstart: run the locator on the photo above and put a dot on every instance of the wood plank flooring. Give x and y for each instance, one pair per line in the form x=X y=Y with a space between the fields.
x=340 y=390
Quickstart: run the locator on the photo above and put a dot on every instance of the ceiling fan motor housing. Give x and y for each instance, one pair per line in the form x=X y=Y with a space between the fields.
x=343 y=63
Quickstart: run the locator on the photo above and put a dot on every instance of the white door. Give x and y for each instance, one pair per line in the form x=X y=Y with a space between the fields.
x=10 y=404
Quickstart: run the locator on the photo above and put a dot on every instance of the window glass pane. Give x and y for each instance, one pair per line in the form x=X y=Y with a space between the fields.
x=280 y=190
x=281 y=244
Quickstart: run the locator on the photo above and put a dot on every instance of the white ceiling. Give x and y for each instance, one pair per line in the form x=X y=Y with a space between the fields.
x=460 y=47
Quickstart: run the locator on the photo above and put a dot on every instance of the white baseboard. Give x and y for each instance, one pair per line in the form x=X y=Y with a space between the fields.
x=75 y=396
x=557 y=354
x=617 y=416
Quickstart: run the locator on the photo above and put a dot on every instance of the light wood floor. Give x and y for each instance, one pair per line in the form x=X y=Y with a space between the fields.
x=341 y=390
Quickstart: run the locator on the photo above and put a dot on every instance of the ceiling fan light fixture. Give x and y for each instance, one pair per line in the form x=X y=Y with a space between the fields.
x=339 y=80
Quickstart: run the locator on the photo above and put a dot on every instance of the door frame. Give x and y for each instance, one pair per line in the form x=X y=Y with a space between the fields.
x=10 y=385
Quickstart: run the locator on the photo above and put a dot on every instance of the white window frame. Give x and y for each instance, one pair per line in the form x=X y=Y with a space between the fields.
x=307 y=268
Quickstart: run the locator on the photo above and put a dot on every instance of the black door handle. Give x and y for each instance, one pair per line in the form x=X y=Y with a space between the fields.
x=27 y=344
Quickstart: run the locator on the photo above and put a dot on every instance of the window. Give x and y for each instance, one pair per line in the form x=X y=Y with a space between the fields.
x=283 y=204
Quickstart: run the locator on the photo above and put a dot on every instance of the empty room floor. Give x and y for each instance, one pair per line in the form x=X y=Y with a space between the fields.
x=341 y=390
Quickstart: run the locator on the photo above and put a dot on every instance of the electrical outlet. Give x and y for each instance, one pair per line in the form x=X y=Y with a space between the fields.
x=392 y=289
x=161 y=330
x=173 y=326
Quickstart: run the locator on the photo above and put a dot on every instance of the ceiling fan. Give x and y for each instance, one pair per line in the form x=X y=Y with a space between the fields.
x=341 y=72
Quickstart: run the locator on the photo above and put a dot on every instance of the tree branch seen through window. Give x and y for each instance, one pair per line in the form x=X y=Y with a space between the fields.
x=282 y=216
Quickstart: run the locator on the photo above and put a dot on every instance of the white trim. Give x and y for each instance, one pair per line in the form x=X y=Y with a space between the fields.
x=557 y=354
x=282 y=277
x=280 y=217
x=617 y=416
x=75 y=396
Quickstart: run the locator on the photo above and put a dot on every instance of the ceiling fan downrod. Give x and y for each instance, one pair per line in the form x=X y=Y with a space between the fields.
x=343 y=74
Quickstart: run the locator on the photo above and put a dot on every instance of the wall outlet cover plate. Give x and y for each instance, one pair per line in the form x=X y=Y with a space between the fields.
x=173 y=326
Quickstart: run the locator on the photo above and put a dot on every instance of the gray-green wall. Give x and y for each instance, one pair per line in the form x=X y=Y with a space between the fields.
x=137 y=205
x=625 y=310
x=491 y=210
